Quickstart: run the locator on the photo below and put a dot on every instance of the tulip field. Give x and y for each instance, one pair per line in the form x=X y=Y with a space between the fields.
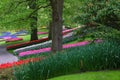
x=59 y=39
x=84 y=55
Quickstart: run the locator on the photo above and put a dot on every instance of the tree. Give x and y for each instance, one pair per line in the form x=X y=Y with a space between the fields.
x=70 y=10
x=50 y=30
x=33 y=18
x=15 y=14
x=100 y=12
x=57 y=23
x=22 y=14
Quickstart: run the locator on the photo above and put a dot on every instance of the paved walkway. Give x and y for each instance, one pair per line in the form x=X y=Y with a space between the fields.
x=5 y=56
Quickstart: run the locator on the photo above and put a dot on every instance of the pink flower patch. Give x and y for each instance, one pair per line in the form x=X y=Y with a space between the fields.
x=42 y=32
x=7 y=38
x=13 y=39
x=76 y=44
x=49 y=49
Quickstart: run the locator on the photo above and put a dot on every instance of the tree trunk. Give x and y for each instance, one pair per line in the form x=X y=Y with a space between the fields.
x=50 y=31
x=33 y=33
x=57 y=9
x=33 y=20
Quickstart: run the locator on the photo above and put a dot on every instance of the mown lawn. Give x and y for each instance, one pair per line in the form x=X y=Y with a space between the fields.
x=101 y=75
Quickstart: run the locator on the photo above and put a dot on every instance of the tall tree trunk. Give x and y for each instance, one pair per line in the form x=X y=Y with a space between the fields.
x=50 y=30
x=57 y=9
x=33 y=19
x=34 y=31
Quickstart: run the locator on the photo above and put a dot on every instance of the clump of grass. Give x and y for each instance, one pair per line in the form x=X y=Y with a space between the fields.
x=92 y=57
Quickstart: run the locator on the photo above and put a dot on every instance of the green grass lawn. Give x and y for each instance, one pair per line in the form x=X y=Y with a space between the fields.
x=101 y=75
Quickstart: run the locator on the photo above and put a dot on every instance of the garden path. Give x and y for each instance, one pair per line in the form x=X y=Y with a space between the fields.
x=5 y=56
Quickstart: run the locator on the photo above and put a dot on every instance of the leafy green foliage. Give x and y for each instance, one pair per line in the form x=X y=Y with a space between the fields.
x=100 y=32
x=70 y=11
x=100 y=56
x=13 y=15
x=16 y=15
x=96 y=12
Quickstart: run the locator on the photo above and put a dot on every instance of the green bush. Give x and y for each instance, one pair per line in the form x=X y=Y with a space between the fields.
x=96 y=12
x=100 y=32
x=102 y=56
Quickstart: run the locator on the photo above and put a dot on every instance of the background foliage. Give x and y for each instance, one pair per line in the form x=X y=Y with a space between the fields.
x=100 y=12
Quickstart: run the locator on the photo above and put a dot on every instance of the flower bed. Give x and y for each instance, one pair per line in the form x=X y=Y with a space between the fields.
x=49 y=49
x=13 y=39
x=26 y=43
x=20 y=62
x=42 y=33
x=33 y=47
x=42 y=45
x=68 y=31
x=2 y=40
x=8 y=37
x=35 y=41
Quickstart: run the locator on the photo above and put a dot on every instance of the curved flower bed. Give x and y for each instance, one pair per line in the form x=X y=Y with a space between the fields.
x=68 y=31
x=35 y=41
x=41 y=45
x=42 y=33
x=33 y=47
x=13 y=39
x=49 y=49
x=26 y=43
x=20 y=62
